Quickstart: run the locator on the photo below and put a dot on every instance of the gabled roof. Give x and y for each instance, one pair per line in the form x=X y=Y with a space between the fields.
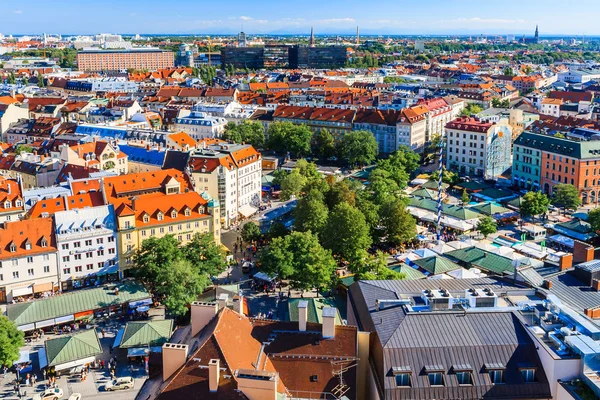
x=476 y=257
x=38 y=233
x=146 y=333
x=72 y=348
x=436 y=265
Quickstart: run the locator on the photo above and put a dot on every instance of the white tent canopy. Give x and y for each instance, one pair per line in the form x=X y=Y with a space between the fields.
x=247 y=210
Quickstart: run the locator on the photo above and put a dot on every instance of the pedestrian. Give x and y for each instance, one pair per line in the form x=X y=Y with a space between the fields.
x=102 y=364
x=103 y=333
x=44 y=372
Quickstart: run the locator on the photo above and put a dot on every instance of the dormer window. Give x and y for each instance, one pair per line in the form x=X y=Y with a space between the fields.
x=160 y=216
x=19 y=203
x=12 y=247
x=173 y=214
x=146 y=218
x=44 y=242
x=7 y=204
x=27 y=245
x=187 y=212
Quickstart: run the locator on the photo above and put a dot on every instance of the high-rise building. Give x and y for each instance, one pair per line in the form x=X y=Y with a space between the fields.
x=242 y=41
x=312 y=36
x=317 y=57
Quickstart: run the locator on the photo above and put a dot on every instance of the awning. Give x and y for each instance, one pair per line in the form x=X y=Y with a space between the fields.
x=42 y=358
x=83 y=315
x=264 y=277
x=111 y=269
x=142 y=309
x=118 y=338
x=66 y=318
x=247 y=210
x=26 y=327
x=23 y=357
x=75 y=363
x=139 y=303
x=42 y=324
x=137 y=351
x=43 y=287
x=22 y=291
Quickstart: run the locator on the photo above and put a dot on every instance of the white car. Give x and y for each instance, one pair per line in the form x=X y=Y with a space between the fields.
x=75 y=396
x=49 y=394
x=125 y=382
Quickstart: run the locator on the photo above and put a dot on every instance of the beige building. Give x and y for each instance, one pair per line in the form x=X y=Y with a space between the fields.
x=121 y=60
x=98 y=155
x=11 y=114
x=156 y=204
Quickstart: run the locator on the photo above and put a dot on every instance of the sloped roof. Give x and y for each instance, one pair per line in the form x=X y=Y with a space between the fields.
x=71 y=348
x=489 y=208
x=410 y=272
x=315 y=310
x=476 y=257
x=436 y=265
x=146 y=333
x=71 y=303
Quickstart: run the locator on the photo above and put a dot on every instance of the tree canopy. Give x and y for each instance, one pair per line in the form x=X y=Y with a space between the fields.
x=300 y=258
x=534 y=203
x=594 y=219
x=487 y=226
x=399 y=225
x=250 y=232
x=285 y=136
x=566 y=196
x=359 y=148
x=323 y=144
x=346 y=233
x=178 y=274
x=250 y=132
x=11 y=341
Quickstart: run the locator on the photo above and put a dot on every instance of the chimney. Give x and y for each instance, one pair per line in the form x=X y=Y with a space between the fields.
x=201 y=315
x=596 y=285
x=302 y=315
x=240 y=305
x=173 y=358
x=222 y=300
x=329 y=322
x=565 y=262
x=213 y=374
x=257 y=385
x=582 y=252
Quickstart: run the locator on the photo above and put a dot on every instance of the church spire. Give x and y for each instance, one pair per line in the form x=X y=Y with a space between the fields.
x=312 y=35
x=537 y=32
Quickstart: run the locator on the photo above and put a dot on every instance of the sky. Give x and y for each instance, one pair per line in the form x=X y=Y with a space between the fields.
x=386 y=17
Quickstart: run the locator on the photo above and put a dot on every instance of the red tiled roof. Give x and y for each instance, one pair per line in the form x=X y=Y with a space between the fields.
x=27 y=237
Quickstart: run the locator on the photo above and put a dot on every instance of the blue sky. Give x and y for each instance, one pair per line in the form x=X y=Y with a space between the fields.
x=291 y=16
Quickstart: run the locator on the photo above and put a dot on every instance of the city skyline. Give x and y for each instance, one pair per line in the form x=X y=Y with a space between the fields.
x=453 y=17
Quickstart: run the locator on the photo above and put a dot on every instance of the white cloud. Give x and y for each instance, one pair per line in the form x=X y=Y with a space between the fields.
x=17 y=12
x=244 y=18
x=336 y=20
x=479 y=20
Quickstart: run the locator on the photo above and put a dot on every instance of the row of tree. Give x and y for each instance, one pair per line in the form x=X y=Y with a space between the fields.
x=342 y=222
x=355 y=148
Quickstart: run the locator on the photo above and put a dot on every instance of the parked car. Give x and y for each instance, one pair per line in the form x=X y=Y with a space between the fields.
x=125 y=382
x=247 y=266
x=75 y=396
x=49 y=394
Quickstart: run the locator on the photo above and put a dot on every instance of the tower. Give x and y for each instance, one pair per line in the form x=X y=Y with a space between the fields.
x=357 y=37
x=312 y=36
x=537 y=34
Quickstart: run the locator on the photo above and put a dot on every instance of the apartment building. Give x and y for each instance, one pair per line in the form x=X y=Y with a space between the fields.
x=28 y=263
x=86 y=240
x=12 y=205
x=100 y=155
x=156 y=204
x=393 y=128
x=200 y=125
x=550 y=161
x=11 y=114
x=438 y=114
x=231 y=173
x=478 y=148
x=551 y=107
x=336 y=121
x=121 y=60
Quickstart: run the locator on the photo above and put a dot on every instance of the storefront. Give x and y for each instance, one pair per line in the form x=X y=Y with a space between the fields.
x=110 y=275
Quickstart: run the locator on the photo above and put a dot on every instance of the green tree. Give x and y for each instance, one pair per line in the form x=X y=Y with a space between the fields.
x=11 y=341
x=292 y=184
x=465 y=197
x=382 y=186
x=400 y=164
x=359 y=148
x=486 y=225
x=341 y=191
x=566 y=196
x=250 y=132
x=508 y=71
x=594 y=219
x=471 y=109
x=534 y=203
x=277 y=230
x=109 y=165
x=12 y=79
x=375 y=267
x=449 y=177
x=300 y=258
x=206 y=256
x=23 y=148
x=25 y=81
x=285 y=136
x=399 y=225
x=310 y=215
x=41 y=82
x=250 y=232
x=346 y=233
x=323 y=144
x=184 y=286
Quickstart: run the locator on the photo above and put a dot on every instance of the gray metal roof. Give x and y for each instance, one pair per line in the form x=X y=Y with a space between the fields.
x=590 y=266
x=574 y=292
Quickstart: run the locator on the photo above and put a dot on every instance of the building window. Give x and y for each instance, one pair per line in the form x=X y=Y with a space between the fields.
x=497 y=376
x=159 y=216
x=99 y=241
x=77 y=244
x=13 y=248
x=46 y=268
x=89 y=254
x=88 y=242
x=128 y=236
x=30 y=272
x=464 y=377
x=65 y=246
x=146 y=218
x=402 y=380
x=90 y=267
x=111 y=239
x=173 y=214
x=15 y=274
x=78 y=268
x=65 y=258
x=77 y=256
x=436 y=378
x=528 y=374
x=29 y=260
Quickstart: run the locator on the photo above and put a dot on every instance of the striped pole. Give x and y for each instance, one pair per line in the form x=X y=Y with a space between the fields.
x=440 y=183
